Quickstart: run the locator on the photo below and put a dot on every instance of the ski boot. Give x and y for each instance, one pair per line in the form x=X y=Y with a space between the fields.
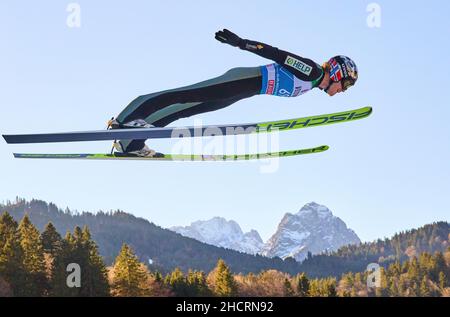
x=143 y=152
x=138 y=123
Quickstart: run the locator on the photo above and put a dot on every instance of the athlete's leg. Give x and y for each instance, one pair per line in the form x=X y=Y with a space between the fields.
x=134 y=145
x=164 y=107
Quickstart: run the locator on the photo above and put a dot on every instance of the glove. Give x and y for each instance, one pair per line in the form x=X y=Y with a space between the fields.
x=228 y=37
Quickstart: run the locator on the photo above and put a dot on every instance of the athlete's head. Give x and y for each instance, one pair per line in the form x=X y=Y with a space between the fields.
x=342 y=73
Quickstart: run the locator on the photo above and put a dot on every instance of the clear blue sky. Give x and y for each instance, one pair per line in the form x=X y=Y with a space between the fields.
x=381 y=175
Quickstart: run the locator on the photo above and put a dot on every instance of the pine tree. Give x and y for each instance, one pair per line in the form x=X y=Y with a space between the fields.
x=393 y=289
x=58 y=282
x=329 y=288
x=78 y=248
x=424 y=290
x=202 y=285
x=33 y=258
x=439 y=266
x=51 y=240
x=302 y=285
x=157 y=287
x=353 y=292
x=12 y=270
x=414 y=270
x=402 y=286
x=442 y=280
x=129 y=276
x=314 y=288
x=224 y=281
x=177 y=281
x=288 y=291
x=195 y=284
x=158 y=277
x=97 y=279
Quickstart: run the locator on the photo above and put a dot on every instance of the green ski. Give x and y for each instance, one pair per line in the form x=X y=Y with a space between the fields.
x=175 y=157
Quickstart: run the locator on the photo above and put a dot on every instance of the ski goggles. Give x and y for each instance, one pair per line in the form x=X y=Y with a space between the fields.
x=347 y=82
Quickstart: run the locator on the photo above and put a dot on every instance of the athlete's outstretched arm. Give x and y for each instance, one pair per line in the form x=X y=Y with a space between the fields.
x=303 y=68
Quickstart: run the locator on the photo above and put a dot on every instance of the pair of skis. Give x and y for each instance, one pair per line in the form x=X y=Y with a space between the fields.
x=176 y=132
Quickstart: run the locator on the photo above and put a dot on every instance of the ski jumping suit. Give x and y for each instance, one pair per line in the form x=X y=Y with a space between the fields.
x=290 y=76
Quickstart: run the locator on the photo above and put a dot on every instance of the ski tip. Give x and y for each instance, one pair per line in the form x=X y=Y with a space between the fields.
x=5 y=137
x=321 y=148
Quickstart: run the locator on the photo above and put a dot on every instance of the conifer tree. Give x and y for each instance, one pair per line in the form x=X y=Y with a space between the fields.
x=78 y=248
x=393 y=289
x=424 y=290
x=51 y=240
x=97 y=279
x=33 y=258
x=330 y=288
x=203 y=289
x=288 y=291
x=129 y=276
x=12 y=271
x=224 y=281
x=158 y=277
x=62 y=258
x=402 y=286
x=439 y=265
x=353 y=292
x=314 y=288
x=413 y=270
x=197 y=280
x=442 y=280
x=302 y=285
x=178 y=283
x=157 y=286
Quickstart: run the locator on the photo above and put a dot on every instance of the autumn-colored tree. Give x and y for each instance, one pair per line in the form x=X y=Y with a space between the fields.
x=288 y=291
x=33 y=259
x=12 y=271
x=129 y=277
x=177 y=282
x=157 y=286
x=51 y=240
x=424 y=289
x=302 y=285
x=224 y=284
x=248 y=285
x=196 y=284
x=323 y=288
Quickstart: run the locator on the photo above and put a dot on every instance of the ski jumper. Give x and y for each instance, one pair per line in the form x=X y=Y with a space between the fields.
x=290 y=76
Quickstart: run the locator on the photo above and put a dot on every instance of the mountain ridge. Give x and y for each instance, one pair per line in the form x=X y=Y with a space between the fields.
x=313 y=229
x=169 y=250
x=221 y=232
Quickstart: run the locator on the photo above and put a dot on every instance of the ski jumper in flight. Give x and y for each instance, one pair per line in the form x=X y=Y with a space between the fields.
x=289 y=75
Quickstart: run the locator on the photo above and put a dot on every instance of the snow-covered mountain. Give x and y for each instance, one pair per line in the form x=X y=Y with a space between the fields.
x=220 y=232
x=313 y=229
